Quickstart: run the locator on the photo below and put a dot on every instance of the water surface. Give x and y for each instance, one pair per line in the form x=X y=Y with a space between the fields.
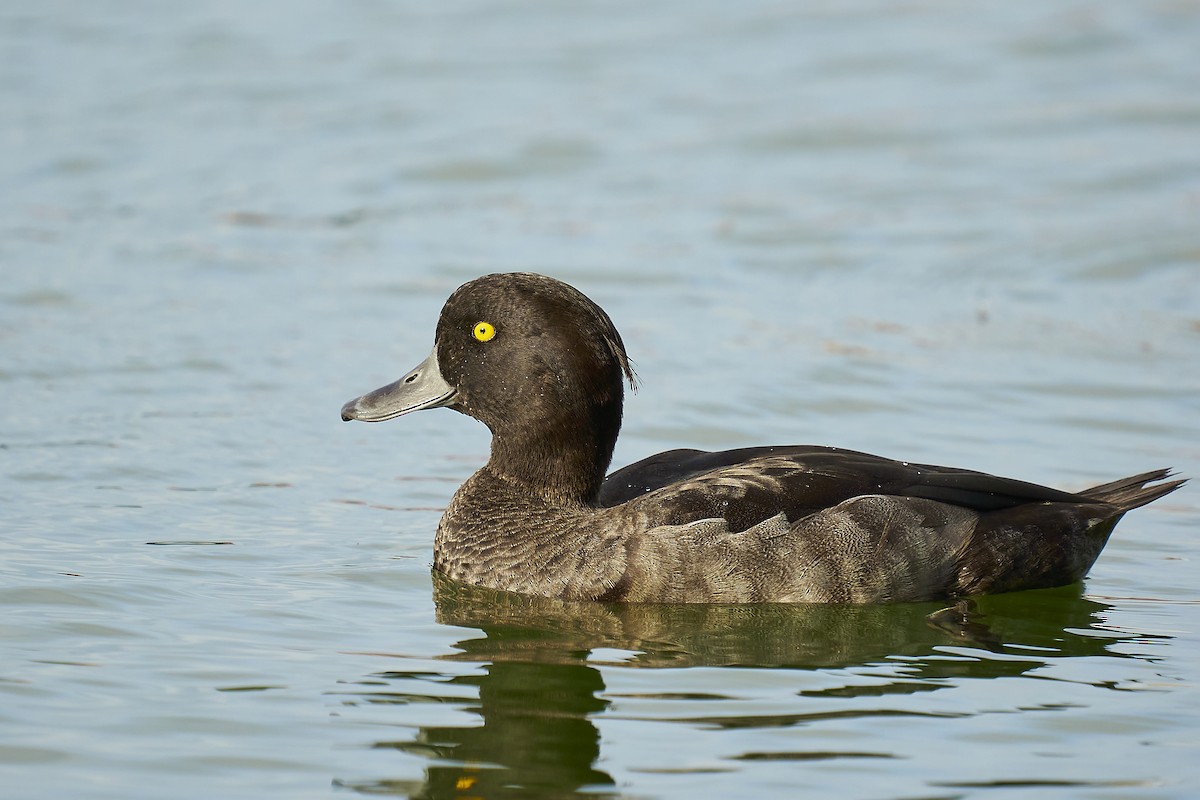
x=946 y=232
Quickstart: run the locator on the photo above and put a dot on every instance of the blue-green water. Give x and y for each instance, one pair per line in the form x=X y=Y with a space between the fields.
x=961 y=233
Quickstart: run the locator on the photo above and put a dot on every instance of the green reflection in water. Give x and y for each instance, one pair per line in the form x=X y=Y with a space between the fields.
x=536 y=739
x=539 y=692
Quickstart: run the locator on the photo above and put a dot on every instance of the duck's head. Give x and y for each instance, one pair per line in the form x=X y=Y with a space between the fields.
x=533 y=359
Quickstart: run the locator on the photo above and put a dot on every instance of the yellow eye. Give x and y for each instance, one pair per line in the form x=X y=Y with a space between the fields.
x=484 y=331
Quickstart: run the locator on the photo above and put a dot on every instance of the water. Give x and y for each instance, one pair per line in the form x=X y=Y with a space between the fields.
x=947 y=232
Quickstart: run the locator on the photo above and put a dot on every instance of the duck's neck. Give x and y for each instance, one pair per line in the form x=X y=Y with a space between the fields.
x=562 y=457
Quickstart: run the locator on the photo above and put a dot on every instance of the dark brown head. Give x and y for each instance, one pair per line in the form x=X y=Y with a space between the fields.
x=538 y=363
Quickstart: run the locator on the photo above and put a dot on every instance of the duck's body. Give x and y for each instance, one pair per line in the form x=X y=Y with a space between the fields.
x=542 y=366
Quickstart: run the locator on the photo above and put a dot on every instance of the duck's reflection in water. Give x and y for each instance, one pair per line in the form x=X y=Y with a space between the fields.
x=542 y=684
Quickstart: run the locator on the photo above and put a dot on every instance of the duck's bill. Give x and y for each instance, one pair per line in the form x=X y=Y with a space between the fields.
x=422 y=388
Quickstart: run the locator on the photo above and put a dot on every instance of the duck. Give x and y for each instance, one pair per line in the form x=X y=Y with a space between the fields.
x=544 y=368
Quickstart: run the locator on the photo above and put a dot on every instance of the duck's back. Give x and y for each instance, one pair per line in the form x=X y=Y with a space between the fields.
x=813 y=524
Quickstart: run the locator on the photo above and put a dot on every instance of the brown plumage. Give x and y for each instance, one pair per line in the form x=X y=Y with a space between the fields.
x=543 y=367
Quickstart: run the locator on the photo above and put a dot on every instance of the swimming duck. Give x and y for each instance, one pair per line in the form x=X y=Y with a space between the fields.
x=544 y=368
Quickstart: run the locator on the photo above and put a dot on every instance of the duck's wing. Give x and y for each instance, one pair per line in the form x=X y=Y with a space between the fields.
x=813 y=524
x=747 y=486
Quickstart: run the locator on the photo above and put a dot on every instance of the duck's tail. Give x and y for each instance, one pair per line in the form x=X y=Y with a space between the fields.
x=1132 y=492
